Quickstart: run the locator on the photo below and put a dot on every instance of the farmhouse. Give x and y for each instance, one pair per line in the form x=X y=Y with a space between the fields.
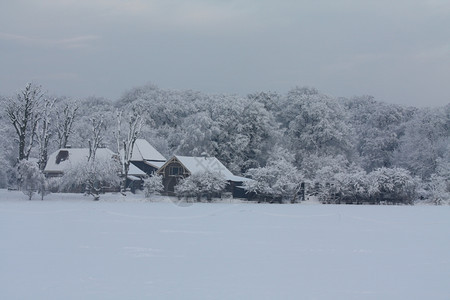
x=179 y=167
x=62 y=159
x=146 y=161
x=146 y=158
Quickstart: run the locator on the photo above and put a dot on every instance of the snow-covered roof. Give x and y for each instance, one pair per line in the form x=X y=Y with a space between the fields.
x=74 y=156
x=203 y=164
x=133 y=178
x=142 y=150
x=156 y=164
x=135 y=171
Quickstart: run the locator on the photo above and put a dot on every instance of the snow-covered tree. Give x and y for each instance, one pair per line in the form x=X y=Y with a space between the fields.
x=258 y=128
x=162 y=107
x=378 y=128
x=263 y=180
x=322 y=168
x=93 y=109
x=438 y=185
x=438 y=189
x=278 y=180
x=66 y=113
x=202 y=183
x=24 y=113
x=95 y=173
x=153 y=184
x=345 y=187
x=317 y=124
x=3 y=174
x=187 y=188
x=351 y=187
x=199 y=135
x=92 y=176
x=426 y=139
x=393 y=185
x=44 y=131
x=31 y=179
x=247 y=132
x=8 y=152
x=125 y=143
x=328 y=136
x=272 y=102
x=96 y=140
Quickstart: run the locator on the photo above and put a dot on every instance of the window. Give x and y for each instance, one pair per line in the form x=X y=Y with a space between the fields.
x=62 y=156
x=175 y=171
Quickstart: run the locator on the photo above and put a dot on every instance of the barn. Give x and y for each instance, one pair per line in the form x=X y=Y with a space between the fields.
x=179 y=167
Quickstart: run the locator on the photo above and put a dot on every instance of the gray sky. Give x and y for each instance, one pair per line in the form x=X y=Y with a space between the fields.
x=396 y=50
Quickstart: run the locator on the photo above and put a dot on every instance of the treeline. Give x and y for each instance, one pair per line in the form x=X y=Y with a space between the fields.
x=344 y=149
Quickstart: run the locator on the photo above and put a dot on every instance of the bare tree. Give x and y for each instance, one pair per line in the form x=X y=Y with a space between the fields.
x=24 y=113
x=65 y=117
x=125 y=144
x=97 y=137
x=44 y=133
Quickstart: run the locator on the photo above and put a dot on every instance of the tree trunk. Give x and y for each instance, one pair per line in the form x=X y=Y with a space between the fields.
x=21 y=147
x=126 y=168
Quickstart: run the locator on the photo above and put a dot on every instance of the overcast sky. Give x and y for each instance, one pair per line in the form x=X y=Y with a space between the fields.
x=396 y=50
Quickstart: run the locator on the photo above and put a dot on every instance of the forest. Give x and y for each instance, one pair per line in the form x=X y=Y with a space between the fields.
x=345 y=149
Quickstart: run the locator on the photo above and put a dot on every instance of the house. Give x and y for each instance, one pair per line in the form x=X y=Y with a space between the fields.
x=146 y=158
x=179 y=167
x=145 y=161
x=135 y=178
x=62 y=159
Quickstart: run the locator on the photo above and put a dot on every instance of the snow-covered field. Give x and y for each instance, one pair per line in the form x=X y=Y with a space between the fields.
x=70 y=247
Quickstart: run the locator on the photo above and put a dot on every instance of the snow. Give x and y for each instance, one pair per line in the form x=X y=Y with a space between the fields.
x=133 y=170
x=156 y=164
x=76 y=155
x=131 y=177
x=70 y=247
x=144 y=151
x=211 y=164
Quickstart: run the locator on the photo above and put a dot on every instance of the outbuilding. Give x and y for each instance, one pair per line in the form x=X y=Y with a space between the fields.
x=179 y=167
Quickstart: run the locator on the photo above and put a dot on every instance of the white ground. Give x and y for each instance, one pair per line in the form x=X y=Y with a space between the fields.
x=69 y=247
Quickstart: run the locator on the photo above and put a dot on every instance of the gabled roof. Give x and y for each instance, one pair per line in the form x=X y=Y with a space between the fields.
x=74 y=156
x=201 y=164
x=142 y=150
x=156 y=164
x=207 y=164
x=135 y=171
